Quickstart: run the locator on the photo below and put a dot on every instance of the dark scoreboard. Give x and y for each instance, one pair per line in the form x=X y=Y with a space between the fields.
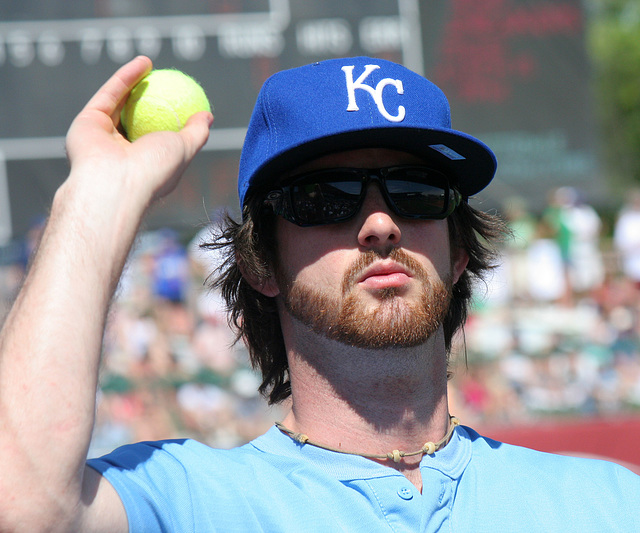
x=515 y=73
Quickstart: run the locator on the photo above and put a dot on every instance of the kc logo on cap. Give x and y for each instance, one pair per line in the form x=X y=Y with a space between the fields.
x=376 y=93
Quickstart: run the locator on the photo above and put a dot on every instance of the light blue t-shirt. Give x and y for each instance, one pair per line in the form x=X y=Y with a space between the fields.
x=274 y=484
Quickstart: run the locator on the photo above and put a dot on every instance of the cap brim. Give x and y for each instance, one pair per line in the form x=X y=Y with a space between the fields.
x=470 y=163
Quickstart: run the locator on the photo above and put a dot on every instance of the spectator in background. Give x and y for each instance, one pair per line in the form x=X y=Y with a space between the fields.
x=586 y=267
x=627 y=237
x=547 y=280
x=523 y=228
x=171 y=272
x=575 y=227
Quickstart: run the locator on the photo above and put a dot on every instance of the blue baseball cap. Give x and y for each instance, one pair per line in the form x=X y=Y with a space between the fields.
x=346 y=104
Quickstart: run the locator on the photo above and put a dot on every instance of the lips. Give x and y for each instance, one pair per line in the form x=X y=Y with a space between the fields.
x=385 y=275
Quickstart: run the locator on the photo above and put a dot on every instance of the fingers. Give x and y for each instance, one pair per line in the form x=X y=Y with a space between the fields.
x=111 y=96
x=196 y=132
x=101 y=114
x=185 y=142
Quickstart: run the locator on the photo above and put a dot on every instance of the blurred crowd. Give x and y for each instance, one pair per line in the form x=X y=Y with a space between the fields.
x=555 y=329
x=553 y=332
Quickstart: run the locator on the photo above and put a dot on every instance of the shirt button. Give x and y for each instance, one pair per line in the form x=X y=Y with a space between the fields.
x=405 y=493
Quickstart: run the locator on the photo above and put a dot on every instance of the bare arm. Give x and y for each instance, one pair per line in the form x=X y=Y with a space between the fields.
x=51 y=341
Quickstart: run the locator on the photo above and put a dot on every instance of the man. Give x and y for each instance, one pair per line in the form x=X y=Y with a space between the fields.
x=348 y=274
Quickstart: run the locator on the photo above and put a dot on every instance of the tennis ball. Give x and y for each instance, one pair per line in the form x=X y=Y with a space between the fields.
x=162 y=101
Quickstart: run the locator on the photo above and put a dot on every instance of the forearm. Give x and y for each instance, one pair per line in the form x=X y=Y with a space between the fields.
x=51 y=342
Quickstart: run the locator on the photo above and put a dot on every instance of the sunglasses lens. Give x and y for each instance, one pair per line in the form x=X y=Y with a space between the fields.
x=416 y=199
x=418 y=192
x=323 y=202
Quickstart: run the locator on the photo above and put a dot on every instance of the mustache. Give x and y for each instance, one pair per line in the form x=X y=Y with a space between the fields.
x=369 y=257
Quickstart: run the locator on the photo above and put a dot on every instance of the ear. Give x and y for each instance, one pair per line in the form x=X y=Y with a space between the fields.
x=459 y=262
x=267 y=286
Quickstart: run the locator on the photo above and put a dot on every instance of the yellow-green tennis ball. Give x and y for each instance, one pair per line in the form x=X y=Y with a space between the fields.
x=162 y=101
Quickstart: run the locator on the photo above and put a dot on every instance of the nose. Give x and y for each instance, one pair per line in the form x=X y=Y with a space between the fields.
x=378 y=229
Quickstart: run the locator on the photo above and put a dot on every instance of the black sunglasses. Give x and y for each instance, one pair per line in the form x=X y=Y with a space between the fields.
x=333 y=195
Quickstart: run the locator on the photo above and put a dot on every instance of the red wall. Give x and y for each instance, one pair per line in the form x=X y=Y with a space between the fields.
x=616 y=439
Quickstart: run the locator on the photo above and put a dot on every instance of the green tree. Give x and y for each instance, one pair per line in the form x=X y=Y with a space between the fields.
x=614 y=46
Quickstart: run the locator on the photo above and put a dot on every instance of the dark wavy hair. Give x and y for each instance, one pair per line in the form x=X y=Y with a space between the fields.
x=252 y=244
